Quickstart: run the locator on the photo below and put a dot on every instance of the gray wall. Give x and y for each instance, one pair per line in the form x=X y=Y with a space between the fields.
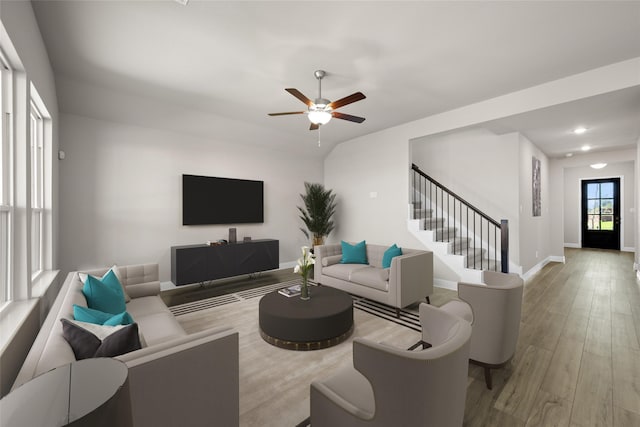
x=533 y=231
x=121 y=195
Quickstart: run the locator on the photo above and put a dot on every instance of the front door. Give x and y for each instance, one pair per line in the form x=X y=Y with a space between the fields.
x=601 y=213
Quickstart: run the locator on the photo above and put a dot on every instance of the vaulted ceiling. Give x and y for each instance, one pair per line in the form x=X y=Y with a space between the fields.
x=232 y=60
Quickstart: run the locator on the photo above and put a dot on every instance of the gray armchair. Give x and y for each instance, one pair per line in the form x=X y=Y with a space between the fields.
x=388 y=386
x=494 y=310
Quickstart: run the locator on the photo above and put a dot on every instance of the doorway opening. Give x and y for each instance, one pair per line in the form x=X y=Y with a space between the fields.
x=601 y=213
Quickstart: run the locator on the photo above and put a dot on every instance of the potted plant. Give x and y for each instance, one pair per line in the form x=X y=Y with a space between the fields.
x=317 y=213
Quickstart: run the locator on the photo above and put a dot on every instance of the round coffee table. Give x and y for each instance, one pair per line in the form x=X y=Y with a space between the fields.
x=326 y=319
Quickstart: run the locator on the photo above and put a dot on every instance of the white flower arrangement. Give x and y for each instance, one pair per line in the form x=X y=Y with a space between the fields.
x=305 y=264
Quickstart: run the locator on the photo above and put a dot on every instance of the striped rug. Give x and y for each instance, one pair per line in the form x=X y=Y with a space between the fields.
x=407 y=318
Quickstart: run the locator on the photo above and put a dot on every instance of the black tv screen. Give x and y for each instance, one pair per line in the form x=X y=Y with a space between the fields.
x=211 y=200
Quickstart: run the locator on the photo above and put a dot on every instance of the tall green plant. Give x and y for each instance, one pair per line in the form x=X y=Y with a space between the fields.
x=318 y=210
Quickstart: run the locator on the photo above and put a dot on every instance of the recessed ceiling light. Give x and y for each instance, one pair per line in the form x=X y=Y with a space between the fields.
x=585 y=148
x=568 y=155
x=598 y=165
x=579 y=130
x=182 y=2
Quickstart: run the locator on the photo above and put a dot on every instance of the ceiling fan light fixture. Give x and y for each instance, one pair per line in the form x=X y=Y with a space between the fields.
x=319 y=117
x=598 y=165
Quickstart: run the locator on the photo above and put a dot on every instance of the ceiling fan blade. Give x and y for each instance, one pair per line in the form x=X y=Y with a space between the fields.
x=284 y=114
x=349 y=117
x=300 y=96
x=314 y=126
x=358 y=96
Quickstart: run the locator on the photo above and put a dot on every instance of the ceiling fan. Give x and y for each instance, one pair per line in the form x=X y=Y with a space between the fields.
x=321 y=110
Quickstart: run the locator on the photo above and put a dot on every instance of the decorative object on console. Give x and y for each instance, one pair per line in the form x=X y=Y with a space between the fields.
x=317 y=214
x=304 y=266
x=232 y=235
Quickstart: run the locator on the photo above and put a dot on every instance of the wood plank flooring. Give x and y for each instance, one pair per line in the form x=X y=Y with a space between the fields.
x=577 y=361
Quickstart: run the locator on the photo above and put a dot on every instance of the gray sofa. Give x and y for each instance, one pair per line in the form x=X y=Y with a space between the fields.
x=176 y=379
x=409 y=280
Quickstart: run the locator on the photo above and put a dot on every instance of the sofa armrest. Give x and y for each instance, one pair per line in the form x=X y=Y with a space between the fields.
x=411 y=277
x=143 y=289
x=320 y=252
x=198 y=373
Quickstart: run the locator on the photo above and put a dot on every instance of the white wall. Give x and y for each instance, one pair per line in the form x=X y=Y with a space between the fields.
x=375 y=164
x=637 y=207
x=534 y=232
x=121 y=192
x=573 y=177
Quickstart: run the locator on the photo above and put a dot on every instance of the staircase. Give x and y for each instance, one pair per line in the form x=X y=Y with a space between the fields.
x=460 y=235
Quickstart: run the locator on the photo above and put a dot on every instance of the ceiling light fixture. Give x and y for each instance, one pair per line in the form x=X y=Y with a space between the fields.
x=579 y=130
x=568 y=155
x=598 y=165
x=182 y=2
x=319 y=114
x=585 y=148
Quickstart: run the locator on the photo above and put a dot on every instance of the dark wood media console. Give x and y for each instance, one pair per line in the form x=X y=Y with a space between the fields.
x=201 y=263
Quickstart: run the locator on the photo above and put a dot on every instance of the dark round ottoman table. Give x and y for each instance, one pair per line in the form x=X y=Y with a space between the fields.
x=326 y=319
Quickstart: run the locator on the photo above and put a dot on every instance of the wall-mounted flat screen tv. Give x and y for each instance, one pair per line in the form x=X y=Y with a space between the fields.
x=211 y=200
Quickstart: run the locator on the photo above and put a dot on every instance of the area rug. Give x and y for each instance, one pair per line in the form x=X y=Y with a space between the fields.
x=408 y=318
x=274 y=382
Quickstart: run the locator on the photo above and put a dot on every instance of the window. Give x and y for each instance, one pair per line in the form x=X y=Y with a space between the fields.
x=37 y=190
x=5 y=181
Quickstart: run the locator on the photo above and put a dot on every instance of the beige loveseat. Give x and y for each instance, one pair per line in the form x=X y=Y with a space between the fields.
x=409 y=280
x=176 y=379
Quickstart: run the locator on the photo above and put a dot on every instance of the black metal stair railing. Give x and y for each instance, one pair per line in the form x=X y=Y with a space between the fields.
x=434 y=204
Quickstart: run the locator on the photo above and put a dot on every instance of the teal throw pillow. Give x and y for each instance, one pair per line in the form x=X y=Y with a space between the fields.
x=104 y=294
x=354 y=254
x=89 y=315
x=388 y=255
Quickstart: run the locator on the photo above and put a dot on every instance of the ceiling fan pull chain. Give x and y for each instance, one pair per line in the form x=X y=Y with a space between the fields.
x=319 y=136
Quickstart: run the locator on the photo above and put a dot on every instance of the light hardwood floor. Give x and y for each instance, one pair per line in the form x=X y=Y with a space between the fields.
x=578 y=356
x=577 y=361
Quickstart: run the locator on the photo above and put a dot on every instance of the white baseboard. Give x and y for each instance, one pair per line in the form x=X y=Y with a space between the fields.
x=539 y=266
x=572 y=245
x=554 y=258
x=628 y=249
x=445 y=284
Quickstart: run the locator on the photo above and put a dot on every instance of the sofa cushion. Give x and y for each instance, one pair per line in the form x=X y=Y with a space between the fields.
x=104 y=294
x=108 y=343
x=144 y=306
x=342 y=271
x=89 y=315
x=160 y=327
x=372 y=277
x=389 y=254
x=354 y=254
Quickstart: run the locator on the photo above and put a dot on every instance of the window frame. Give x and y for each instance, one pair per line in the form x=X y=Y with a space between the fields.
x=7 y=145
x=36 y=143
